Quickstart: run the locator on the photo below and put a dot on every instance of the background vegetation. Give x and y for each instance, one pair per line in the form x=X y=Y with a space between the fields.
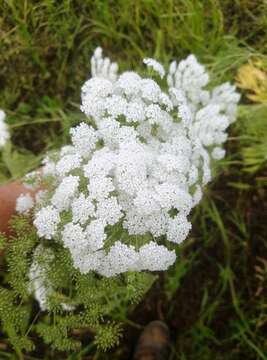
x=215 y=298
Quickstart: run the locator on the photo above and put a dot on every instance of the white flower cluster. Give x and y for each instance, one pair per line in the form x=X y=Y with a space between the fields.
x=4 y=132
x=24 y=203
x=127 y=183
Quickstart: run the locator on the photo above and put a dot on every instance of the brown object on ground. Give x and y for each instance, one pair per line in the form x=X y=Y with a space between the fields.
x=154 y=342
x=8 y=196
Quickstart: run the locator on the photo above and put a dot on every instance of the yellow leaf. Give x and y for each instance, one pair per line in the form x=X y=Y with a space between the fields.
x=253 y=78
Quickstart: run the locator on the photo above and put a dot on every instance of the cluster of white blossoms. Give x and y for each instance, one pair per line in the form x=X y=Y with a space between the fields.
x=24 y=203
x=4 y=132
x=120 y=195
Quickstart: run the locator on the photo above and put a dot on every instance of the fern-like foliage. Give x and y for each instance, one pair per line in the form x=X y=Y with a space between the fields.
x=76 y=303
x=108 y=335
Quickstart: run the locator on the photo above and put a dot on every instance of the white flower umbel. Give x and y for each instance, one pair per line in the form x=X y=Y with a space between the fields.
x=24 y=203
x=4 y=132
x=46 y=221
x=84 y=139
x=156 y=257
x=65 y=192
x=120 y=195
